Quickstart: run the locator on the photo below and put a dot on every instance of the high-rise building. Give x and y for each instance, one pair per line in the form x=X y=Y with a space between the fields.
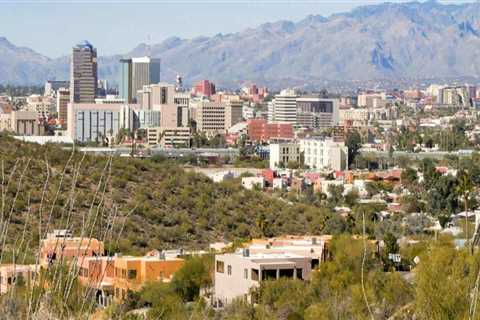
x=284 y=107
x=204 y=88
x=125 y=87
x=145 y=71
x=51 y=86
x=63 y=97
x=317 y=112
x=83 y=73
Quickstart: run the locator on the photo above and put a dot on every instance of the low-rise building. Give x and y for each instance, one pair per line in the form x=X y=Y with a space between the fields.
x=16 y=274
x=283 y=153
x=96 y=122
x=131 y=273
x=252 y=182
x=97 y=274
x=169 y=137
x=61 y=245
x=259 y=130
x=320 y=153
x=238 y=274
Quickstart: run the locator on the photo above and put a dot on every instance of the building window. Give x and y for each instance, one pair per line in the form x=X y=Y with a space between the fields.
x=229 y=270
x=245 y=273
x=132 y=274
x=299 y=274
x=220 y=267
x=255 y=274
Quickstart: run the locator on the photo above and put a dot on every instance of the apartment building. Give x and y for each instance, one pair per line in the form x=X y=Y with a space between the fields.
x=131 y=273
x=61 y=245
x=16 y=274
x=320 y=153
x=317 y=112
x=283 y=153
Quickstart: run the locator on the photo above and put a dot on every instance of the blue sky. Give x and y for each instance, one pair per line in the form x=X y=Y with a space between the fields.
x=51 y=27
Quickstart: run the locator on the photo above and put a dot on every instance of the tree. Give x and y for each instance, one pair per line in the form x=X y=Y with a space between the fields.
x=464 y=189
x=444 y=280
x=354 y=143
x=193 y=276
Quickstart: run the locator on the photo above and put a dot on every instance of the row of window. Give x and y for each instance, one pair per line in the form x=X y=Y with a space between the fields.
x=126 y=274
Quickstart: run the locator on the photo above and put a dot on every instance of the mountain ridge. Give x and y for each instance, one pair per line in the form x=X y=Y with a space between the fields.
x=385 y=41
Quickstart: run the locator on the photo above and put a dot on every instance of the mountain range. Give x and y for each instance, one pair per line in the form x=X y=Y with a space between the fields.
x=415 y=40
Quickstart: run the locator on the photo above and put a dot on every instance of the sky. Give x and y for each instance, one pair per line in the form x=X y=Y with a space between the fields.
x=52 y=27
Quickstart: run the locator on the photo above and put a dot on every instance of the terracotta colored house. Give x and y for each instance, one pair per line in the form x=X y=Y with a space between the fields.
x=10 y=275
x=60 y=245
x=97 y=273
x=131 y=273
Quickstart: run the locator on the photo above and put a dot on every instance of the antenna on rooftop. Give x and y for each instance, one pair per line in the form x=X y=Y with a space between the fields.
x=149 y=46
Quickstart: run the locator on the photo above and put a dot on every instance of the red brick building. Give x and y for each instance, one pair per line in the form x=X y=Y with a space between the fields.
x=260 y=130
x=205 y=88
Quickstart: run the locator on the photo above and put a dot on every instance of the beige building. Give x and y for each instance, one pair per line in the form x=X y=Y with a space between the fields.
x=44 y=106
x=22 y=123
x=169 y=137
x=238 y=274
x=371 y=100
x=216 y=118
x=357 y=117
x=11 y=274
x=63 y=98
x=283 y=153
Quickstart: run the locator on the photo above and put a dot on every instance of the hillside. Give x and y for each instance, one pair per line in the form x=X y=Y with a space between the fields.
x=143 y=204
x=387 y=41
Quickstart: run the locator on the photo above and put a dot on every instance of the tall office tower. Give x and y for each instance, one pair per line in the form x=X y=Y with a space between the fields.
x=145 y=71
x=63 y=97
x=284 y=107
x=316 y=112
x=125 y=87
x=83 y=73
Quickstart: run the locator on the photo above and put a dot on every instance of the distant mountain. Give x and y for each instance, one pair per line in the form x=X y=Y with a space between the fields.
x=387 y=41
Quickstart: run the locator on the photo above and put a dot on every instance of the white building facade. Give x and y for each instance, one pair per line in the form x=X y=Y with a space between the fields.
x=283 y=153
x=324 y=154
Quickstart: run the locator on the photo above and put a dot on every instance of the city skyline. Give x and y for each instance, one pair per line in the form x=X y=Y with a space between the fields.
x=113 y=27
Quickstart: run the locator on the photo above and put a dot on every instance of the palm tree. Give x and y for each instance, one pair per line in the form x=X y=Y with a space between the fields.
x=464 y=189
